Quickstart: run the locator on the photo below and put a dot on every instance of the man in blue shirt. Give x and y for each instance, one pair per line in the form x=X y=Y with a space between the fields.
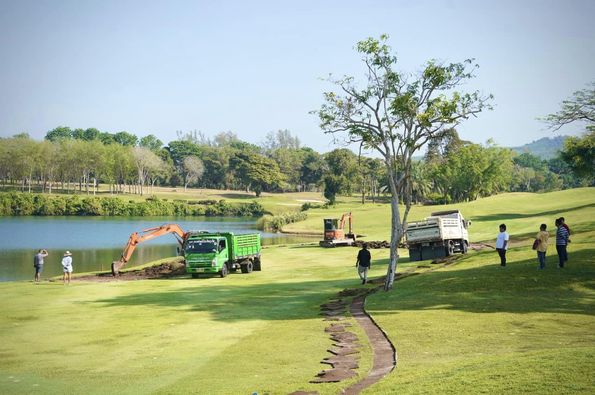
x=561 y=242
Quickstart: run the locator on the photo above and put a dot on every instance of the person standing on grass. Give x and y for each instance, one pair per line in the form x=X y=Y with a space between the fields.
x=502 y=244
x=38 y=263
x=67 y=266
x=561 y=243
x=563 y=221
x=564 y=225
x=542 y=238
x=363 y=263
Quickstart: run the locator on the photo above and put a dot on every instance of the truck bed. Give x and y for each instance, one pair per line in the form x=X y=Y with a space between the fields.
x=438 y=228
x=246 y=245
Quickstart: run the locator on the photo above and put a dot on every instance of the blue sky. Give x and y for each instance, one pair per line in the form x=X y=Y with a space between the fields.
x=255 y=66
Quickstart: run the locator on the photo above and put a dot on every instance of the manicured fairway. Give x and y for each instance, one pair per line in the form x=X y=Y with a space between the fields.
x=470 y=327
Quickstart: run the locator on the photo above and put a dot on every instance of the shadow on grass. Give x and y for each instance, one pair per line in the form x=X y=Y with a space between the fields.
x=519 y=288
x=239 y=195
x=234 y=302
x=511 y=216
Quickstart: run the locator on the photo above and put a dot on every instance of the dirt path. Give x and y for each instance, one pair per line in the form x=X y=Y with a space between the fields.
x=385 y=355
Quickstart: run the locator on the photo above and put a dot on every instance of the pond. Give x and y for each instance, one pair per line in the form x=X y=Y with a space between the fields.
x=97 y=241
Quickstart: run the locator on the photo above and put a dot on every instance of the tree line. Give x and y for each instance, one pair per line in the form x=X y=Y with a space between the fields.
x=452 y=170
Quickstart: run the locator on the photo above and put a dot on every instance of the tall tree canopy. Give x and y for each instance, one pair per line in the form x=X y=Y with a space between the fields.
x=579 y=154
x=396 y=114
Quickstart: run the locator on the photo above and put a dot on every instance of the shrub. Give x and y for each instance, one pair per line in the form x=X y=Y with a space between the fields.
x=307 y=206
x=275 y=223
x=17 y=203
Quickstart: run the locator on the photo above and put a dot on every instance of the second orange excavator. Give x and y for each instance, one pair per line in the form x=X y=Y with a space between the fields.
x=334 y=232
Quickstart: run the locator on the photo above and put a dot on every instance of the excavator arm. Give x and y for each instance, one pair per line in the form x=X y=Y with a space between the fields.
x=144 y=235
x=342 y=222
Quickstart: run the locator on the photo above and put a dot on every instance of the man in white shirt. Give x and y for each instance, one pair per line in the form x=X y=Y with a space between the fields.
x=502 y=244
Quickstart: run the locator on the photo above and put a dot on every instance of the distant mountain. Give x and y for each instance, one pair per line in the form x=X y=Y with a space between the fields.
x=545 y=148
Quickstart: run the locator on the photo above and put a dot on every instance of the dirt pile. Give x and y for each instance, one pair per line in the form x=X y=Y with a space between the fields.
x=163 y=270
x=372 y=244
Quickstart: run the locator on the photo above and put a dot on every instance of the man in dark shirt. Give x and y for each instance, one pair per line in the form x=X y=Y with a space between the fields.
x=363 y=263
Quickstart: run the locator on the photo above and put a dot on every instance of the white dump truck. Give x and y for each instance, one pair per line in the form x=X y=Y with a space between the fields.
x=442 y=234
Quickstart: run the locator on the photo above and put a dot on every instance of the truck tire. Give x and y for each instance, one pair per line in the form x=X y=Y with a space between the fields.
x=194 y=275
x=450 y=248
x=465 y=247
x=247 y=267
x=223 y=272
x=256 y=265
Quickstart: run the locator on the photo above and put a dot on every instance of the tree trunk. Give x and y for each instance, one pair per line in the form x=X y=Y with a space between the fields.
x=395 y=230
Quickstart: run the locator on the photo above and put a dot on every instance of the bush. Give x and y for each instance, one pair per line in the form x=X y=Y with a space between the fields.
x=435 y=198
x=275 y=223
x=307 y=206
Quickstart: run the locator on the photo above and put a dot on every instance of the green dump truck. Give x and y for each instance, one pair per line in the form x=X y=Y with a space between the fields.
x=221 y=253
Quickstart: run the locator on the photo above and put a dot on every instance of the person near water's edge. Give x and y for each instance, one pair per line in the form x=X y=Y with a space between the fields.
x=363 y=263
x=502 y=244
x=38 y=263
x=67 y=267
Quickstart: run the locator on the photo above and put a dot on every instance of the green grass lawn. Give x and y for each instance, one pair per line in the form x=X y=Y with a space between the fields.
x=467 y=328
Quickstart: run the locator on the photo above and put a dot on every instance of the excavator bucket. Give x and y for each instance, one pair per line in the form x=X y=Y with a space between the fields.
x=116 y=265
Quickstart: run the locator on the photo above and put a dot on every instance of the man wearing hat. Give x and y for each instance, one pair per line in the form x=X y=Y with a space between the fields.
x=67 y=266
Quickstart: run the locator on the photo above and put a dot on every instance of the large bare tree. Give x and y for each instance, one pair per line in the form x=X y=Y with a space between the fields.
x=395 y=114
x=193 y=170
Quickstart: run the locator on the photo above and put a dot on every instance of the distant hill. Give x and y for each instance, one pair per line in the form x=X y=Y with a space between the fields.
x=545 y=148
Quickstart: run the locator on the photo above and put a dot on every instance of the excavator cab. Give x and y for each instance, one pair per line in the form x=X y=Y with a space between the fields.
x=332 y=230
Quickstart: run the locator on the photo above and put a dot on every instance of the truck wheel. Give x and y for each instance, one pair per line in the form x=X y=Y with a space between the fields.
x=223 y=271
x=465 y=247
x=194 y=275
x=450 y=248
x=247 y=267
x=257 y=265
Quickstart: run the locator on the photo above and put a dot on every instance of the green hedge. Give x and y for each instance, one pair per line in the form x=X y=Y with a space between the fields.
x=15 y=204
x=275 y=223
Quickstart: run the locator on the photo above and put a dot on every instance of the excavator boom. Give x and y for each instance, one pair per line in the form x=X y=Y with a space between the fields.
x=144 y=235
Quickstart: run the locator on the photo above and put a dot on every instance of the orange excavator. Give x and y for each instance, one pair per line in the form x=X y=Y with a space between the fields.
x=334 y=232
x=145 y=235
